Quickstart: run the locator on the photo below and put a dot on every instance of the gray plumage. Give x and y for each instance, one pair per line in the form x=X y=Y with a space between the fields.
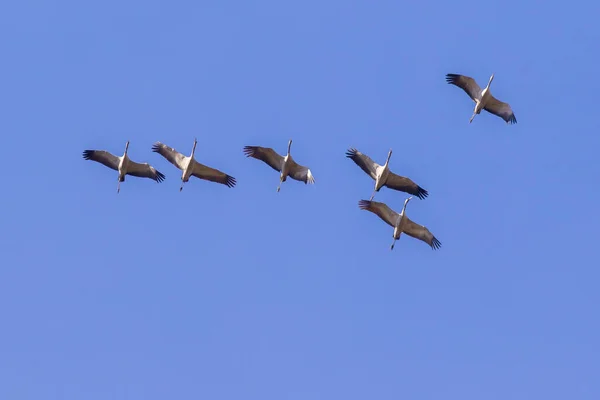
x=123 y=165
x=483 y=98
x=286 y=166
x=400 y=222
x=382 y=175
x=190 y=167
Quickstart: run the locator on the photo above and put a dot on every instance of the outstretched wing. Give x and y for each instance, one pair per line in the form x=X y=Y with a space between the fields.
x=381 y=209
x=144 y=170
x=500 y=109
x=214 y=175
x=301 y=173
x=266 y=154
x=466 y=83
x=172 y=155
x=406 y=185
x=421 y=233
x=363 y=161
x=103 y=157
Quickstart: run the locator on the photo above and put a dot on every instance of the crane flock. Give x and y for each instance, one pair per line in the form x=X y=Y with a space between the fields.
x=288 y=167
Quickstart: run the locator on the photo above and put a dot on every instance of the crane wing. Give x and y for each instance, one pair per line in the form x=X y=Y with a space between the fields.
x=364 y=162
x=501 y=109
x=144 y=170
x=172 y=155
x=300 y=173
x=214 y=175
x=265 y=154
x=466 y=83
x=103 y=157
x=406 y=185
x=421 y=233
x=381 y=209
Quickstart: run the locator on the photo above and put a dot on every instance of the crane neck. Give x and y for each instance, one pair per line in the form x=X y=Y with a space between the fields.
x=405 y=204
x=387 y=161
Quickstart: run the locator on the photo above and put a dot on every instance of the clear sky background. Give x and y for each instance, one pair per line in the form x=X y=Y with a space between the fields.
x=245 y=293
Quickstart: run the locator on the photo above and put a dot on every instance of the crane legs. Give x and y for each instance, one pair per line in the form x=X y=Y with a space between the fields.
x=394 y=242
x=374 y=191
x=476 y=110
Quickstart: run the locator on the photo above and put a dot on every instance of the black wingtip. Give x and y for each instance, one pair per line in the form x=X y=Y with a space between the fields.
x=156 y=147
x=421 y=193
x=364 y=204
x=160 y=176
x=451 y=78
x=351 y=152
x=435 y=244
x=249 y=150
x=87 y=154
x=231 y=182
x=512 y=119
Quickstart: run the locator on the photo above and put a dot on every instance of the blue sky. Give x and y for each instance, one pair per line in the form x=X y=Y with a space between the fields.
x=246 y=293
